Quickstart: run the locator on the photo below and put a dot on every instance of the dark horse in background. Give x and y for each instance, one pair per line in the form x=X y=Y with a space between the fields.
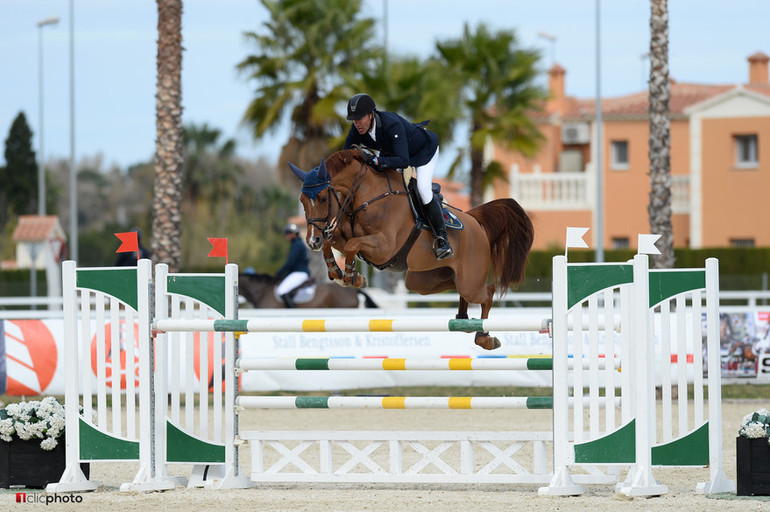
x=258 y=289
x=367 y=214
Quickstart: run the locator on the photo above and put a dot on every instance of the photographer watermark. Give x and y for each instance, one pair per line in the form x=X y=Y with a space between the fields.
x=41 y=498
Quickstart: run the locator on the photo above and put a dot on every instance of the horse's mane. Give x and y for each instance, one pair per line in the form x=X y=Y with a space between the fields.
x=341 y=159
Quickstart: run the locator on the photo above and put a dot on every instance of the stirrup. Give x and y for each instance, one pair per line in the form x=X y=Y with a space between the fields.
x=288 y=301
x=442 y=251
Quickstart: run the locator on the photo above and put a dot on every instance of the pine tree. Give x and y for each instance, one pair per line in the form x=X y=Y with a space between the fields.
x=18 y=195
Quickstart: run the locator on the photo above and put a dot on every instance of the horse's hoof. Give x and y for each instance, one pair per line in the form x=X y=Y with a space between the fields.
x=487 y=342
x=355 y=280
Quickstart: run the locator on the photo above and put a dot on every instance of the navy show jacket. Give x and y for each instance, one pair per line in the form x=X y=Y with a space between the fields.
x=400 y=142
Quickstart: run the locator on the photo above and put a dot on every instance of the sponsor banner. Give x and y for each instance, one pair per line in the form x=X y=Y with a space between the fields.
x=35 y=359
x=745 y=342
x=31 y=356
x=419 y=345
x=32 y=350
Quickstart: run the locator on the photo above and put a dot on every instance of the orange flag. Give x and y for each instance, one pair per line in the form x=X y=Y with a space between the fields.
x=129 y=242
x=220 y=248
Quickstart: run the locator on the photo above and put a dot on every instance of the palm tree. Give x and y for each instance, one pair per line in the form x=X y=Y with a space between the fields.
x=419 y=90
x=210 y=170
x=167 y=217
x=660 y=143
x=297 y=70
x=498 y=91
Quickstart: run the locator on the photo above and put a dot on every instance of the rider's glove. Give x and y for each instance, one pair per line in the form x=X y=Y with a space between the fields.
x=371 y=160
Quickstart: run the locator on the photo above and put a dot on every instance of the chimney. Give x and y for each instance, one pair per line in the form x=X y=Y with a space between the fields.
x=758 y=68
x=556 y=88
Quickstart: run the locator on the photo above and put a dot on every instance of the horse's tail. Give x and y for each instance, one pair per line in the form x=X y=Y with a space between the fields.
x=510 y=233
x=368 y=302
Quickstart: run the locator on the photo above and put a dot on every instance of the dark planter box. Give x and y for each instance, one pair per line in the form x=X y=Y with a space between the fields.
x=753 y=466
x=25 y=463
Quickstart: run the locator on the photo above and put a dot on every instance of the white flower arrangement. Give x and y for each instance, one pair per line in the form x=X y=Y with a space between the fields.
x=756 y=425
x=33 y=420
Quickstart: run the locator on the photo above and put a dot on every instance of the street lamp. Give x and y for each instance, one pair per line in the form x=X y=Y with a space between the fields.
x=552 y=39
x=73 y=172
x=599 y=146
x=53 y=20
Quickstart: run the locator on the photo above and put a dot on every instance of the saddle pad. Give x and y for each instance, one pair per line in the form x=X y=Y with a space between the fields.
x=305 y=294
x=300 y=296
x=450 y=219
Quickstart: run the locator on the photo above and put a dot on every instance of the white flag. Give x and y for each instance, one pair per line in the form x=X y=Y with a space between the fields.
x=646 y=244
x=575 y=238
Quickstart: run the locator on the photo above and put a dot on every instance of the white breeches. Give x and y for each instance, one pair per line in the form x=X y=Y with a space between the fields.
x=290 y=282
x=425 y=179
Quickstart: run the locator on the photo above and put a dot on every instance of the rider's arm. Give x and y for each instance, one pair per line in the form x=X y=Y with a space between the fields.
x=398 y=157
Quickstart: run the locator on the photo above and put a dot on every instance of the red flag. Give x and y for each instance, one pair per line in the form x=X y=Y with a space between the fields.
x=129 y=242
x=220 y=248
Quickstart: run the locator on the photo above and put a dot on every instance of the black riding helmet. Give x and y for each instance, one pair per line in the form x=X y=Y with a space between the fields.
x=360 y=105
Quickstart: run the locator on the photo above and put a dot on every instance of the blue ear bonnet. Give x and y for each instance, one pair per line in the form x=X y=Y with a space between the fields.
x=313 y=184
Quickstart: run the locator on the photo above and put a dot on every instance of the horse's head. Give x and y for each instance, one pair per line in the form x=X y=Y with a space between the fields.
x=328 y=192
x=253 y=286
x=319 y=202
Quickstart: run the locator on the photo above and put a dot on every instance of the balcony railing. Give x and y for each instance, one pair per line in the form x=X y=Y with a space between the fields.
x=539 y=191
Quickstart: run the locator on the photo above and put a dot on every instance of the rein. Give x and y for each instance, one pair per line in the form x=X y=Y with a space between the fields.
x=332 y=224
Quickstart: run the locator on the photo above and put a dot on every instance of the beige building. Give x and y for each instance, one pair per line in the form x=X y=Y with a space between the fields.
x=720 y=165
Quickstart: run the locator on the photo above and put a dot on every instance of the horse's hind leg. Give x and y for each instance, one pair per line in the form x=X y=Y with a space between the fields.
x=462 y=309
x=483 y=339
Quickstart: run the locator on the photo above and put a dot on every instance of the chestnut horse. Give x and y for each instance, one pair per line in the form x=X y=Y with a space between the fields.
x=259 y=289
x=366 y=213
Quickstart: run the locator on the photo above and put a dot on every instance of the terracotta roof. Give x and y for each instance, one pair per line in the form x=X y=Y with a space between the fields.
x=758 y=88
x=35 y=228
x=683 y=95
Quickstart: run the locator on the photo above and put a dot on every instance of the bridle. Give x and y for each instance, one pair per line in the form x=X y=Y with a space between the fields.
x=332 y=222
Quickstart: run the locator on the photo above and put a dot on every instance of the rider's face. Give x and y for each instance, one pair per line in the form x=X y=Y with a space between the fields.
x=364 y=124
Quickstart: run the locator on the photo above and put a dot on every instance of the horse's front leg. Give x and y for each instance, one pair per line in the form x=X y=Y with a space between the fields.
x=333 y=270
x=483 y=339
x=369 y=244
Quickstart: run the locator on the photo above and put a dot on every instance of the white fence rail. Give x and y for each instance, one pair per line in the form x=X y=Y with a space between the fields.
x=50 y=307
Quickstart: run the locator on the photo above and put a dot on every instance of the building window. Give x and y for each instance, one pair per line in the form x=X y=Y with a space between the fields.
x=620 y=243
x=746 y=153
x=741 y=242
x=619 y=155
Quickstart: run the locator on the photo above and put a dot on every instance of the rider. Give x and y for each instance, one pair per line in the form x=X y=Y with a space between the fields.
x=295 y=270
x=400 y=144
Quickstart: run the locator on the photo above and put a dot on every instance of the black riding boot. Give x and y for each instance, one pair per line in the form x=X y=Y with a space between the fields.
x=286 y=297
x=435 y=218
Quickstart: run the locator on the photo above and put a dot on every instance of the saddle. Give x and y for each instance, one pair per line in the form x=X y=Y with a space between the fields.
x=398 y=261
x=303 y=292
x=410 y=184
x=450 y=219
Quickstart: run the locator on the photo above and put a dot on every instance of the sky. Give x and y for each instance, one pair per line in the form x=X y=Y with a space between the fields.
x=115 y=52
